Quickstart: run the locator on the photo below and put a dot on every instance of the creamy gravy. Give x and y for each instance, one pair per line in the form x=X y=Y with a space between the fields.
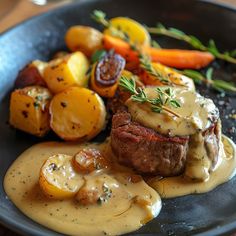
x=196 y=113
x=131 y=205
x=179 y=186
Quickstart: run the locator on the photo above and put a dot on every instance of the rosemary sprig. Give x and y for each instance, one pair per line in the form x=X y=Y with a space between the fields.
x=199 y=78
x=145 y=62
x=164 y=99
x=194 y=42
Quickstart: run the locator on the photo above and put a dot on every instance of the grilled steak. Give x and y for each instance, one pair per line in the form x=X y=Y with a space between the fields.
x=149 y=152
x=144 y=149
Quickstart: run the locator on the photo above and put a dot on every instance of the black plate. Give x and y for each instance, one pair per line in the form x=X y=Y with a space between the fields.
x=209 y=214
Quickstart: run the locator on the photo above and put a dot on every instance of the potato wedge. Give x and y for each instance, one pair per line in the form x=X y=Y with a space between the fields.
x=83 y=38
x=67 y=71
x=136 y=32
x=89 y=160
x=29 y=110
x=58 y=180
x=77 y=114
x=32 y=74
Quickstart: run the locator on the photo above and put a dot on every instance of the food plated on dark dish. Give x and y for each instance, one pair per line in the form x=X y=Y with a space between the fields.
x=163 y=138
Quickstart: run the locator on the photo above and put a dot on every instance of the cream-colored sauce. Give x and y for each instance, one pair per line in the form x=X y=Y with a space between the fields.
x=179 y=186
x=195 y=113
x=204 y=154
x=130 y=206
x=198 y=164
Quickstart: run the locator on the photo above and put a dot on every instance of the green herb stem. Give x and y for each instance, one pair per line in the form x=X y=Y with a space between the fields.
x=199 y=78
x=193 y=41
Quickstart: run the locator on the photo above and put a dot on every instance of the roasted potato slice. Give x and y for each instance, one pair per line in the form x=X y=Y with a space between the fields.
x=32 y=74
x=77 y=114
x=83 y=38
x=67 y=71
x=105 y=74
x=29 y=110
x=58 y=180
x=89 y=160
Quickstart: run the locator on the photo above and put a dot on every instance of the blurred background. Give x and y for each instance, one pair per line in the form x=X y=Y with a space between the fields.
x=14 y=11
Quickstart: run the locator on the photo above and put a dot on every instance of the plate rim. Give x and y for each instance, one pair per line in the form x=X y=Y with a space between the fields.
x=12 y=224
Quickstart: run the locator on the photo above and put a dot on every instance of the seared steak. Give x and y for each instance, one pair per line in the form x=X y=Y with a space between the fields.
x=149 y=152
x=145 y=150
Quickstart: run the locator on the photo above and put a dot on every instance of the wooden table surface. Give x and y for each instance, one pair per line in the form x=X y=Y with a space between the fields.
x=24 y=9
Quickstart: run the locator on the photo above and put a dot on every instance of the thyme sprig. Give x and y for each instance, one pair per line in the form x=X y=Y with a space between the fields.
x=199 y=78
x=194 y=42
x=145 y=62
x=163 y=101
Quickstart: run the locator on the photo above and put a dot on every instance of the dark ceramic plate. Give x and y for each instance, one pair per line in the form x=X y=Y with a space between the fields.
x=207 y=214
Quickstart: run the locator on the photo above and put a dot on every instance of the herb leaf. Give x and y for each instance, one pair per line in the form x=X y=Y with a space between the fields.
x=209 y=73
x=155 y=44
x=98 y=55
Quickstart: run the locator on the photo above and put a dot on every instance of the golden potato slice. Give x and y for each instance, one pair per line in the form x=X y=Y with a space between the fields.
x=136 y=32
x=89 y=160
x=83 y=38
x=77 y=114
x=67 y=71
x=29 y=110
x=58 y=180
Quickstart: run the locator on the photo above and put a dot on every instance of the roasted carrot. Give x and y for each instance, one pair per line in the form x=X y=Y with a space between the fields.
x=181 y=59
